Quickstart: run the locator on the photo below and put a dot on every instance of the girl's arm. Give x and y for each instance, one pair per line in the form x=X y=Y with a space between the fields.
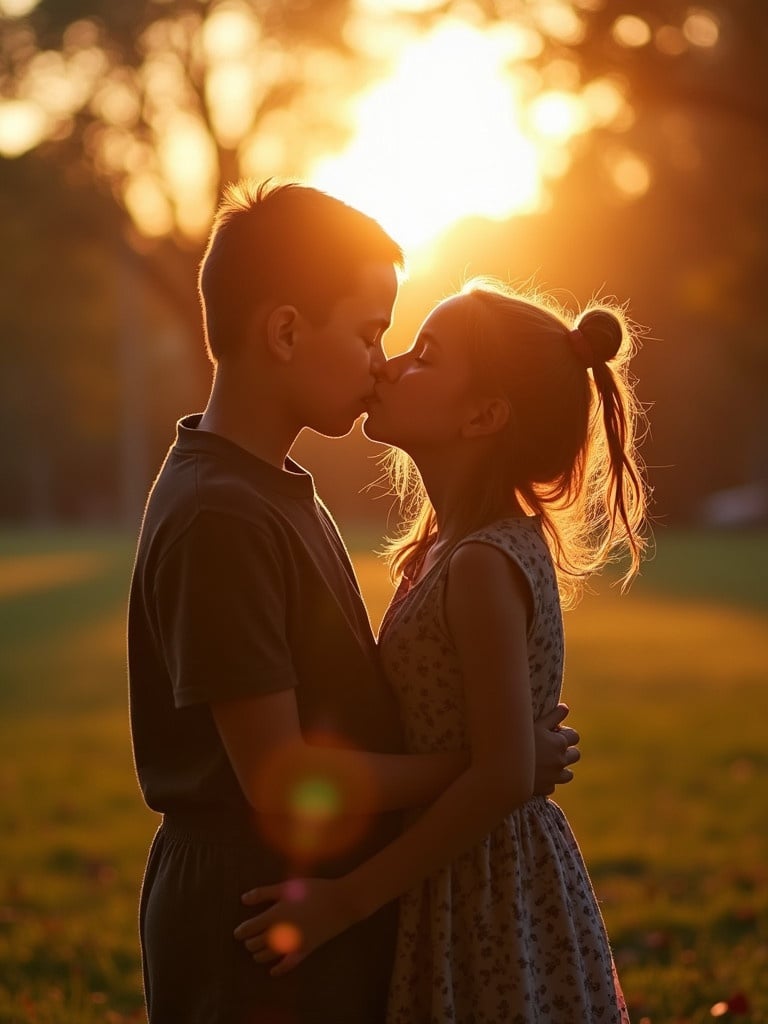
x=271 y=758
x=486 y=612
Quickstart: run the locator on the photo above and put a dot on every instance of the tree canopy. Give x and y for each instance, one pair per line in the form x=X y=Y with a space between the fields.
x=121 y=121
x=162 y=102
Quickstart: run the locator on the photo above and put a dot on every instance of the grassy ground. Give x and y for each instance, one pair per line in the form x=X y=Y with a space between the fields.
x=667 y=686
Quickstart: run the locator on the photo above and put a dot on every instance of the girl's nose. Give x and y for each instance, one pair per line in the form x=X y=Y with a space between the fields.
x=391 y=369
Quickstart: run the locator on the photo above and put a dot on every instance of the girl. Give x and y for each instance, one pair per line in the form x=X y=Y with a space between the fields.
x=523 y=437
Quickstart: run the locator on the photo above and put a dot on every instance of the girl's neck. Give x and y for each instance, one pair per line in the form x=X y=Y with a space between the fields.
x=457 y=513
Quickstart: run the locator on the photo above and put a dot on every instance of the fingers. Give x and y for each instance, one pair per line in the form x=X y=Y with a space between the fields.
x=570 y=736
x=264 y=955
x=250 y=928
x=259 y=933
x=572 y=755
x=262 y=894
x=260 y=924
x=287 y=964
x=263 y=951
x=260 y=944
x=553 y=718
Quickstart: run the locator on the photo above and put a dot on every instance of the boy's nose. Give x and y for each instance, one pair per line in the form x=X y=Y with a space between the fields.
x=378 y=363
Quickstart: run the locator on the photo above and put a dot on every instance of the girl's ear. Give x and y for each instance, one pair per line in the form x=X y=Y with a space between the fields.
x=490 y=416
x=281 y=332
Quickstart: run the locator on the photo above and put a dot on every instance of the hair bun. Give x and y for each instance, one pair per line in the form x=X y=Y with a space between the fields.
x=602 y=332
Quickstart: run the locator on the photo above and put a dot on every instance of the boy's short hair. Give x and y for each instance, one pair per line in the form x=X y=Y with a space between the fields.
x=285 y=242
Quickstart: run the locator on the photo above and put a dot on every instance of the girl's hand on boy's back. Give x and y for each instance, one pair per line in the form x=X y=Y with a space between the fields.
x=304 y=914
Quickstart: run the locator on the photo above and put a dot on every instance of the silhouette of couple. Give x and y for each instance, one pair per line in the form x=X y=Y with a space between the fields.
x=356 y=832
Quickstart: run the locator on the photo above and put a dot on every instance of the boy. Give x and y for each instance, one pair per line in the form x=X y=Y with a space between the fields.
x=262 y=728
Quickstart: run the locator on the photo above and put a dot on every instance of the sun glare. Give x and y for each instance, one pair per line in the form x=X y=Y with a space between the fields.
x=187 y=157
x=462 y=125
x=557 y=114
x=442 y=138
x=17 y=8
x=23 y=125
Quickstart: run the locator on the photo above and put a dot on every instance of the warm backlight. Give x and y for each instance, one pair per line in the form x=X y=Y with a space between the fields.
x=461 y=125
x=441 y=139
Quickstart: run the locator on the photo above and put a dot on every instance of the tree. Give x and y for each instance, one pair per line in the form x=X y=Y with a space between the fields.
x=162 y=103
x=148 y=108
x=120 y=123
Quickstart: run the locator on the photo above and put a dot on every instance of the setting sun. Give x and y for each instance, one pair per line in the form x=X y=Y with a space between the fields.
x=448 y=136
x=462 y=120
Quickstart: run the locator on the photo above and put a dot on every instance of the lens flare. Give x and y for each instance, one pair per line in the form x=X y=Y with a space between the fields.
x=321 y=807
x=294 y=891
x=284 y=938
x=316 y=799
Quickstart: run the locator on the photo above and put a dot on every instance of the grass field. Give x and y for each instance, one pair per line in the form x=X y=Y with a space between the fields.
x=667 y=686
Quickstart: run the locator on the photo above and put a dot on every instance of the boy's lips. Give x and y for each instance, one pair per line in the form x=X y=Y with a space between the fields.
x=376 y=395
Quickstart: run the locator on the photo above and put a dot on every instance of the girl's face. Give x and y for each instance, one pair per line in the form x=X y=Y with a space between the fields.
x=425 y=397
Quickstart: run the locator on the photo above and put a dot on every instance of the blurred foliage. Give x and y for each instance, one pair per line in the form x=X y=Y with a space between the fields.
x=100 y=345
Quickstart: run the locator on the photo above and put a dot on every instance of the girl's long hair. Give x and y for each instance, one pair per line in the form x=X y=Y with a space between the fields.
x=568 y=453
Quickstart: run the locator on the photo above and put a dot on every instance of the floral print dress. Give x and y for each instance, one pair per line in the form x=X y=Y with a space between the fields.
x=510 y=932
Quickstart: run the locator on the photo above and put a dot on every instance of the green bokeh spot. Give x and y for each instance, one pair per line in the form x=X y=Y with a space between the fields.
x=316 y=798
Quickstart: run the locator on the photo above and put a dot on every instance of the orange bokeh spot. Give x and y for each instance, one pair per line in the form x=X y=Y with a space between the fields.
x=284 y=938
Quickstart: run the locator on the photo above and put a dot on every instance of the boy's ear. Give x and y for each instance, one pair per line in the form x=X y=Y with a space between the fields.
x=281 y=330
x=489 y=417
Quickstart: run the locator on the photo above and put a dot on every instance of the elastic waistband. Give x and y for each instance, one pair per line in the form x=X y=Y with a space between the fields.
x=210 y=827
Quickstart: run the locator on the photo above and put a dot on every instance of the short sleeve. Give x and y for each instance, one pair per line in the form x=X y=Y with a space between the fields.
x=221 y=604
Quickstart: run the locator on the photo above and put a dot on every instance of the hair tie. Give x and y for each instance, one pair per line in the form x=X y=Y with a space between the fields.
x=581 y=347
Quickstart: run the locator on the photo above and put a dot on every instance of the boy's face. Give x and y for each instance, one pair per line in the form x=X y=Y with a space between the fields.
x=337 y=365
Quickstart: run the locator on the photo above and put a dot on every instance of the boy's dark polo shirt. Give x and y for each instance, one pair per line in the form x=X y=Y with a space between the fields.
x=242 y=587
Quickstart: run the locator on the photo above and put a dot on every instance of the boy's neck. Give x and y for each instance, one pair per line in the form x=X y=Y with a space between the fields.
x=251 y=421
